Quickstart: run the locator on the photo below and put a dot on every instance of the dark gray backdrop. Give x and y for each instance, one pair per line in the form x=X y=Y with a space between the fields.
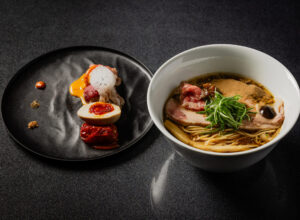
x=147 y=181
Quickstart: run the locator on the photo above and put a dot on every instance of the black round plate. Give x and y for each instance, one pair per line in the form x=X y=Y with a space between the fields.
x=58 y=134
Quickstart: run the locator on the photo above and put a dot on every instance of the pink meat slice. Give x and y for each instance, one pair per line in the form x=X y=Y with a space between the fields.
x=193 y=104
x=191 y=90
x=184 y=116
x=191 y=96
x=90 y=93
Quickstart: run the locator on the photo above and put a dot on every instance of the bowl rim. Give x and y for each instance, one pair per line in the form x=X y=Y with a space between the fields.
x=167 y=134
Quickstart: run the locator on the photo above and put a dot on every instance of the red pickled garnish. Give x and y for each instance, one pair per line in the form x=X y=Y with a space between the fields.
x=101 y=108
x=106 y=135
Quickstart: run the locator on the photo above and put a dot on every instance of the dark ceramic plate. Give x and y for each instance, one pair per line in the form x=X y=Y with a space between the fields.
x=59 y=127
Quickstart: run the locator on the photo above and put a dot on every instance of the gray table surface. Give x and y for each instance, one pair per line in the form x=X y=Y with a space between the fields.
x=147 y=181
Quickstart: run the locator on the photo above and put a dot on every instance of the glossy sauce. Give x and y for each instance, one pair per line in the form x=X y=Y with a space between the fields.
x=40 y=85
x=101 y=108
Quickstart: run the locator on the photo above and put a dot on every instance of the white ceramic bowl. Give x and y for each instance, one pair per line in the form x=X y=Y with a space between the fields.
x=245 y=61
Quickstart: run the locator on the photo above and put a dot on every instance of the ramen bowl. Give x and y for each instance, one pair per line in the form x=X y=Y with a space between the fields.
x=246 y=62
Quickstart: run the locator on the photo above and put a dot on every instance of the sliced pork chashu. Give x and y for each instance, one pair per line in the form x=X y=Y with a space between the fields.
x=184 y=116
x=252 y=95
x=259 y=122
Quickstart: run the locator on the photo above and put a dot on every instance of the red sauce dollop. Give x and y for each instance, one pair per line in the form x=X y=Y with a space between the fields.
x=40 y=85
x=101 y=108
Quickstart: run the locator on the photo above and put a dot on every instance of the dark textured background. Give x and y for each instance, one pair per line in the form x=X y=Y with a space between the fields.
x=147 y=181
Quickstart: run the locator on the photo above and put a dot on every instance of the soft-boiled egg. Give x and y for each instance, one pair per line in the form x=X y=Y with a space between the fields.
x=99 y=113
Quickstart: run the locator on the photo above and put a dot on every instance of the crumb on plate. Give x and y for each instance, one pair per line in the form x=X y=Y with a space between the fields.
x=35 y=104
x=33 y=124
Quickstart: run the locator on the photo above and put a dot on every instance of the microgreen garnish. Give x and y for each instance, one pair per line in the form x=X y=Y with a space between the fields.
x=225 y=112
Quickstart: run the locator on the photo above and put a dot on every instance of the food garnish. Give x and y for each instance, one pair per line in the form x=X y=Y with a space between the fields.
x=193 y=97
x=101 y=106
x=40 y=85
x=225 y=112
x=211 y=112
x=98 y=83
x=267 y=111
x=106 y=136
x=35 y=104
x=33 y=124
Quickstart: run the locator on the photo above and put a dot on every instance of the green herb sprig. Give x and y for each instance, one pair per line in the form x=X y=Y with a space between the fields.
x=225 y=112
